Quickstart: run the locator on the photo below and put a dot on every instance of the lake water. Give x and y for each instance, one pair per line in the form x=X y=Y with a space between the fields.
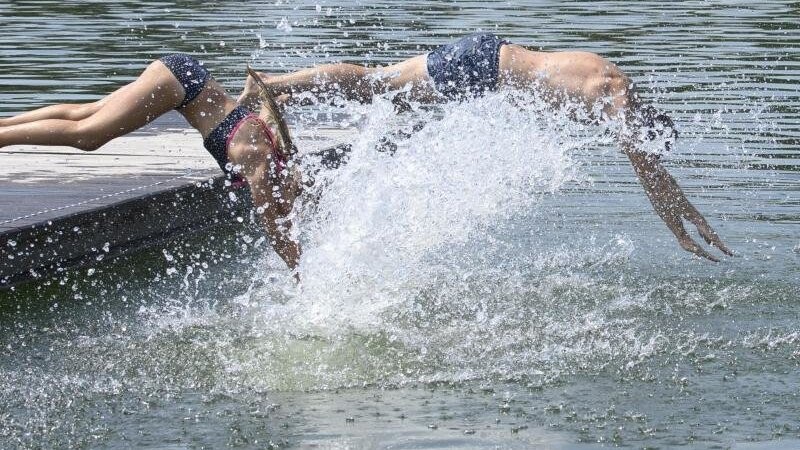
x=501 y=282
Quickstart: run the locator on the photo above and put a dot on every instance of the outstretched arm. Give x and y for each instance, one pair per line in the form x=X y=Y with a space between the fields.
x=274 y=213
x=671 y=204
x=639 y=121
x=274 y=191
x=273 y=194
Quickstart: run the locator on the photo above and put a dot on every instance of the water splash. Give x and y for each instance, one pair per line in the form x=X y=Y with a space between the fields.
x=381 y=220
x=454 y=260
x=413 y=261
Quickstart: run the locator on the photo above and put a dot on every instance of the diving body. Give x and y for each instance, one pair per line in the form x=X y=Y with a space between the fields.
x=481 y=63
x=242 y=142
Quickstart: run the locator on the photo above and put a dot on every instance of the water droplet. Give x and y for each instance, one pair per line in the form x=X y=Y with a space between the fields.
x=284 y=26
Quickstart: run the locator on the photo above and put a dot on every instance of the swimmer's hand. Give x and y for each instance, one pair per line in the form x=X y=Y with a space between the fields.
x=672 y=206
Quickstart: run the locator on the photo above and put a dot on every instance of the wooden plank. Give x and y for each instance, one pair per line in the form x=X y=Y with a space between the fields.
x=111 y=229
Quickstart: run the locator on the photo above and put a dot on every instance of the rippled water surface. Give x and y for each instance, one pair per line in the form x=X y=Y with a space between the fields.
x=500 y=282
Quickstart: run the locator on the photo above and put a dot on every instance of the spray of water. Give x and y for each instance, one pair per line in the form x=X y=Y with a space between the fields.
x=429 y=263
x=453 y=259
x=382 y=219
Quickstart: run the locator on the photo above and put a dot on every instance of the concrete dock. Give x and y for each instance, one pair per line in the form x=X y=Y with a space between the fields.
x=61 y=207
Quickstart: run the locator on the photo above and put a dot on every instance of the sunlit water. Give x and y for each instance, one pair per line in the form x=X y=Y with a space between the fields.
x=500 y=281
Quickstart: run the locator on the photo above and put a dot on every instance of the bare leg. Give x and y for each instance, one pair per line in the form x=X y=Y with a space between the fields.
x=155 y=92
x=351 y=81
x=65 y=111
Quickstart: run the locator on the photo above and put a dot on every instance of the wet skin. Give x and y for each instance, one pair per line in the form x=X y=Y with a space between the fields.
x=561 y=78
x=156 y=91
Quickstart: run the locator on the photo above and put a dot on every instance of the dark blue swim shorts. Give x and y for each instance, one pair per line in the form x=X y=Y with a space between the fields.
x=189 y=72
x=468 y=67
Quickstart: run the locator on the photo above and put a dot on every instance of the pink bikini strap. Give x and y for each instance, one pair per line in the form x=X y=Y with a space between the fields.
x=280 y=161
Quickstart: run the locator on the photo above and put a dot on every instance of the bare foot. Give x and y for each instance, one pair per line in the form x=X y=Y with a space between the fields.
x=249 y=96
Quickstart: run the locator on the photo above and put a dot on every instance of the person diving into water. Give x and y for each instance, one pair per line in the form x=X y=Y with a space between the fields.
x=481 y=63
x=242 y=142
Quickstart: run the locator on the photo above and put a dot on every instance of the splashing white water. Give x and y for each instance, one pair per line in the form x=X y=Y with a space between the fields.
x=440 y=261
x=382 y=220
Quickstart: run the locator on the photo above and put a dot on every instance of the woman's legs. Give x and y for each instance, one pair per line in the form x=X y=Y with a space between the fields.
x=351 y=81
x=65 y=111
x=155 y=92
